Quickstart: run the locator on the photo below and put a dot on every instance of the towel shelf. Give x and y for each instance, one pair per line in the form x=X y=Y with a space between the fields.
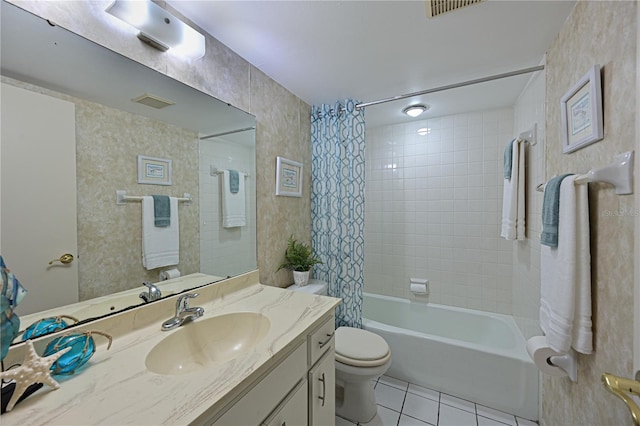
x=619 y=174
x=122 y=198
x=215 y=171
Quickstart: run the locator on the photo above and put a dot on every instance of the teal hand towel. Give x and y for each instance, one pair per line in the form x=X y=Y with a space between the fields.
x=508 y=153
x=161 y=211
x=551 y=211
x=234 y=181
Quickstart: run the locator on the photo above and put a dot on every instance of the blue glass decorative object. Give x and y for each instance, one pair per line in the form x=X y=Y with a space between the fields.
x=46 y=326
x=82 y=349
x=9 y=326
x=11 y=294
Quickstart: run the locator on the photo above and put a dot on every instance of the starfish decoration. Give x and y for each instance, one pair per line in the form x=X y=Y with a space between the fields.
x=34 y=369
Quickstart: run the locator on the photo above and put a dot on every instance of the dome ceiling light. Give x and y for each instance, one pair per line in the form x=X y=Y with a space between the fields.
x=415 y=110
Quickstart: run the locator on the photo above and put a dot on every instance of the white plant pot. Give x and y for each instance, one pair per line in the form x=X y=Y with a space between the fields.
x=301 y=278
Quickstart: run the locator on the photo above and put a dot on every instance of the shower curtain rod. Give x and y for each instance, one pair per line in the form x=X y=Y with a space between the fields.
x=230 y=132
x=450 y=86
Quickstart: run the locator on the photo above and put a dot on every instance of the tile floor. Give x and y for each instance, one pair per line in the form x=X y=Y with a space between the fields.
x=405 y=404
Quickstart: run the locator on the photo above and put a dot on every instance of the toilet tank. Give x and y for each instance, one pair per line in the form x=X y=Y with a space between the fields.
x=314 y=287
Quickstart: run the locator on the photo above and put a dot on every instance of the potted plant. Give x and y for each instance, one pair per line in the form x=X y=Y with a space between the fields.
x=299 y=259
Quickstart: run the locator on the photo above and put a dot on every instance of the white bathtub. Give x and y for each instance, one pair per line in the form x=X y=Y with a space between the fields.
x=473 y=355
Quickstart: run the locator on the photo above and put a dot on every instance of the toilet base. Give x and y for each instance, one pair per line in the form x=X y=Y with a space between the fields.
x=358 y=402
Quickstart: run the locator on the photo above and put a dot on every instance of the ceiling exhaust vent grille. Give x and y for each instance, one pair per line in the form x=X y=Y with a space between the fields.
x=152 y=101
x=438 y=7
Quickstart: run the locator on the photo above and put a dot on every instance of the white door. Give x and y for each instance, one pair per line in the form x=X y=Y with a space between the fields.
x=38 y=196
x=636 y=309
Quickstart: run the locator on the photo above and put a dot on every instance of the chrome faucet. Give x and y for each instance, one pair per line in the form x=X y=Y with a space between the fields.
x=183 y=312
x=153 y=293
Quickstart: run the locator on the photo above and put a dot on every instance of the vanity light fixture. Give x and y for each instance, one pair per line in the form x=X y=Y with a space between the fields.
x=415 y=110
x=159 y=28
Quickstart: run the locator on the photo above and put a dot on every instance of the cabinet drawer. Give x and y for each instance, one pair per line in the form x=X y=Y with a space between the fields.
x=293 y=410
x=321 y=340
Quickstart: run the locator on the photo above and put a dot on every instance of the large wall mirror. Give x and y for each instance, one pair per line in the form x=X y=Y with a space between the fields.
x=77 y=142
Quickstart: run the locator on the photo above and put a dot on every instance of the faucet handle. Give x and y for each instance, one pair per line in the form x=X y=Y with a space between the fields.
x=154 y=291
x=188 y=296
x=183 y=302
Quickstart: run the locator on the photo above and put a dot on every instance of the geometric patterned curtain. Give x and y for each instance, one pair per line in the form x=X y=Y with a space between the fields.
x=337 y=204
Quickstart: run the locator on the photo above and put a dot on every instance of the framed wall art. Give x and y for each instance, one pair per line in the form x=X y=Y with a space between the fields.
x=154 y=171
x=288 y=178
x=581 y=109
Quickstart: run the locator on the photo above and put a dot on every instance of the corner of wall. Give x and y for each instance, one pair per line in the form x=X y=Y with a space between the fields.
x=529 y=110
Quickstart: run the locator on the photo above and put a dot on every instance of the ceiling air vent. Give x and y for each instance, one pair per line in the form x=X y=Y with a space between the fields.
x=152 y=101
x=438 y=7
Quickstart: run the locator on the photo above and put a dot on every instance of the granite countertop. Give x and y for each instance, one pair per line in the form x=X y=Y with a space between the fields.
x=115 y=387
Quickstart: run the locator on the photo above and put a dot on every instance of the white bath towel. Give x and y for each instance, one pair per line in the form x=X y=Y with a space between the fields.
x=160 y=246
x=565 y=276
x=513 y=193
x=233 y=205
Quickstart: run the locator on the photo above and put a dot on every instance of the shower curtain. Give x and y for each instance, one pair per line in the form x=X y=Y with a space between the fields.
x=337 y=204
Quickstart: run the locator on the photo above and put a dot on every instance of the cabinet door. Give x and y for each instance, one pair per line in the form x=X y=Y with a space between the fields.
x=322 y=391
x=293 y=410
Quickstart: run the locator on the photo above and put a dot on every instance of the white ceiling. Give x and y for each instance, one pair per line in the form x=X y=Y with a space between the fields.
x=324 y=51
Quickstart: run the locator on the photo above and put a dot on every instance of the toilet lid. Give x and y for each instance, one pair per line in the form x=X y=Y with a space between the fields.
x=360 y=348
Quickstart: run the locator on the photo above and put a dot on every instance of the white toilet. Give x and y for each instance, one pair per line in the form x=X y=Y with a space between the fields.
x=361 y=357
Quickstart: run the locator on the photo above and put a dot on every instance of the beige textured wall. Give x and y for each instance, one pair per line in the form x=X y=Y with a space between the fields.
x=598 y=33
x=285 y=123
x=110 y=236
x=282 y=118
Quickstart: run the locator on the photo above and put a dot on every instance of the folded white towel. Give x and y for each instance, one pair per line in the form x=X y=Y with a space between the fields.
x=233 y=205
x=513 y=207
x=565 y=276
x=160 y=246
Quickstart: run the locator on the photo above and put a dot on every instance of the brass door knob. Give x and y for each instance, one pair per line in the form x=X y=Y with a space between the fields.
x=623 y=388
x=65 y=259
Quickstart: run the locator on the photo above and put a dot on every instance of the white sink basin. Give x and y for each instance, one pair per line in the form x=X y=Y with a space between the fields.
x=204 y=343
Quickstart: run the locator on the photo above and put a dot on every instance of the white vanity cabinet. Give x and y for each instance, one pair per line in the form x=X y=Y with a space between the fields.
x=300 y=390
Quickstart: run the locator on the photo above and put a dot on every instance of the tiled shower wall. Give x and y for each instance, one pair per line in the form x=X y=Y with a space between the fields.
x=226 y=250
x=433 y=210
